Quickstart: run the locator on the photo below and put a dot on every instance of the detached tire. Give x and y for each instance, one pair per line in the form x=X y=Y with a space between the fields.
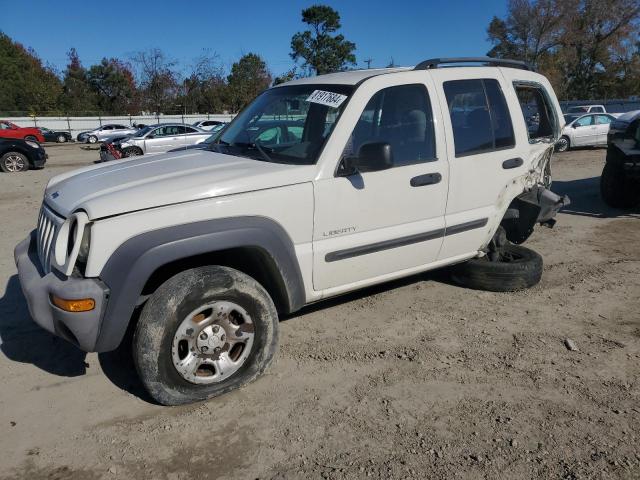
x=204 y=332
x=518 y=269
x=617 y=190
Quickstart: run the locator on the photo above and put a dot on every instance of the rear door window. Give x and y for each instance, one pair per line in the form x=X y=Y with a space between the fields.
x=603 y=119
x=479 y=115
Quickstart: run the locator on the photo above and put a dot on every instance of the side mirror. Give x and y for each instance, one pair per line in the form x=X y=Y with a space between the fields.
x=372 y=157
x=151 y=135
x=575 y=125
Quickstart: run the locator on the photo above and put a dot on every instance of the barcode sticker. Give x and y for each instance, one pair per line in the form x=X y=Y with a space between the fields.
x=329 y=99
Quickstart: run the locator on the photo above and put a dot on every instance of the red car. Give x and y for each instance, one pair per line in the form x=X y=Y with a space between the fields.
x=11 y=130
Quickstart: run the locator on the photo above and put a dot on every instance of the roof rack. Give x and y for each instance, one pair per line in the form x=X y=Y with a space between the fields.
x=487 y=61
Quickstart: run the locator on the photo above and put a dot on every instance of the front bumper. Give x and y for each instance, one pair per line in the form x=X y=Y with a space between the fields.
x=79 y=328
x=39 y=159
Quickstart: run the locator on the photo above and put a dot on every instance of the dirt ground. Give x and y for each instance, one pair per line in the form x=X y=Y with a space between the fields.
x=413 y=379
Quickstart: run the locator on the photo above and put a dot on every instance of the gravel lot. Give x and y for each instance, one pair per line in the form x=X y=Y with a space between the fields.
x=413 y=379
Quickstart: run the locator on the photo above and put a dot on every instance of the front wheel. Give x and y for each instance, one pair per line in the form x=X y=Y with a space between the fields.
x=92 y=139
x=13 y=162
x=616 y=189
x=516 y=268
x=204 y=332
x=562 y=145
x=131 y=152
x=62 y=139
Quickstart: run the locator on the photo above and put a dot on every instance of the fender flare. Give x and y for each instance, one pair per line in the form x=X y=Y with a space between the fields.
x=133 y=262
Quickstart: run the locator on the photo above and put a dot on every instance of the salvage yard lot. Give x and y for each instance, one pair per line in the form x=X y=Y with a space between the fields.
x=414 y=379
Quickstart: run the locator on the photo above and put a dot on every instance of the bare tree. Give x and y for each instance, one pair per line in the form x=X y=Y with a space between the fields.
x=157 y=79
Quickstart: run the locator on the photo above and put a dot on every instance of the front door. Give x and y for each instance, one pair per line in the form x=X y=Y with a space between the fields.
x=164 y=139
x=585 y=131
x=373 y=224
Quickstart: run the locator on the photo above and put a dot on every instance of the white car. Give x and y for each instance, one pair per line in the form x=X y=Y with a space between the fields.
x=159 y=138
x=581 y=109
x=103 y=132
x=386 y=173
x=208 y=125
x=586 y=131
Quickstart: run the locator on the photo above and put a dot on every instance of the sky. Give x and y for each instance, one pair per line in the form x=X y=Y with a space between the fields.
x=406 y=30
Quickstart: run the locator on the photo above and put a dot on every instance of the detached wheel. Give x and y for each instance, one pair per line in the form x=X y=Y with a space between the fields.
x=518 y=268
x=616 y=189
x=204 y=332
x=563 y=144
x=92 y=139
x=61 y=139
x=13 y=162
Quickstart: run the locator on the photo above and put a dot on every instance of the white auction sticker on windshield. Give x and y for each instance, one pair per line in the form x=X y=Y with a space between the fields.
x=329 y=99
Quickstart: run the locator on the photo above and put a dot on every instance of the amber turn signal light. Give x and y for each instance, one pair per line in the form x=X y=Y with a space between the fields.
x=79 y=305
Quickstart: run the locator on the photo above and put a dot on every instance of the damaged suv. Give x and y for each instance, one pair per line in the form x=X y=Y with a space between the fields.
x=382 y=174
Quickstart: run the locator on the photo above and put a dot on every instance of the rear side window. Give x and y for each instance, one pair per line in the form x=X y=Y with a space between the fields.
x=538 y=113
x=479 y=115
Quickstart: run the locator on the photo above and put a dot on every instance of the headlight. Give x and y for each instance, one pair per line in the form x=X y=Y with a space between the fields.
x=72 y=243
x=83 y=251
x=32 y=144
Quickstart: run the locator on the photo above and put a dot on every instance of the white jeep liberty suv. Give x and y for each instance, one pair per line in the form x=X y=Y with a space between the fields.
x=355 y=178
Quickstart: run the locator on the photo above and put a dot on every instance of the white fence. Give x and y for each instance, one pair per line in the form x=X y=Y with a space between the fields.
x=75 y=125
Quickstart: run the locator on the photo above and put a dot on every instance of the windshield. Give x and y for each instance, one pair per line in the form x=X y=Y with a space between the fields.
x=286 y=124
x=143 y=131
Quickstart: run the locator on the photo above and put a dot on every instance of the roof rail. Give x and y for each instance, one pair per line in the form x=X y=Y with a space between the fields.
x=487 y=61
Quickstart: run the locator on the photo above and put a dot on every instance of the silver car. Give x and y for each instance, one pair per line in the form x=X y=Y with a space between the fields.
x=104 y=132
x=584 y=131
x=161 y=138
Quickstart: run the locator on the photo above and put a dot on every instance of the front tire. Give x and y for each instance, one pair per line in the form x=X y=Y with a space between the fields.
x=131 y=152
x=61 y=139
x=563 y=144
x=518 y=268
x=204 y=332
x=616 y=189
x=92 y=139
x=13 y=162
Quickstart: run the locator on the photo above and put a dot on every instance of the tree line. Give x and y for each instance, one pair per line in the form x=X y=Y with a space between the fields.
x=150 y=81
x=589 y=49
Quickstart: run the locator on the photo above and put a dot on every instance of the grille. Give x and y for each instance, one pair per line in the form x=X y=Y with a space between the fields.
x=48 y=226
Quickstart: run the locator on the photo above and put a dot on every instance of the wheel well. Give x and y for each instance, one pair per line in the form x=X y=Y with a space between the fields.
x=253 y=261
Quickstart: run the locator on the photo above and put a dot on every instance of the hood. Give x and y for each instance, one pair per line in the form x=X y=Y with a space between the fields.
x=146 y=182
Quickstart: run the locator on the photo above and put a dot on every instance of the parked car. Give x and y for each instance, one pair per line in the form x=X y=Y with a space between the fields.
x=208 y=143
x=59 y=136
x=396 y=171
x=582 y=109
x=20 y=155
x=105 y=131
x=585 y=131
x=620 y=179
x=11 y=130
x=159 y=138
x=208 y=125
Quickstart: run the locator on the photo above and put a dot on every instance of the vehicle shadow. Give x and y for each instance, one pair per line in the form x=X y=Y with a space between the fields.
x=21 y=340
x=586 y=200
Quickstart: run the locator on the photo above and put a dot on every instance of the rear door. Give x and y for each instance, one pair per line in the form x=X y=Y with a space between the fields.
x=483 y=154
x=603 y=122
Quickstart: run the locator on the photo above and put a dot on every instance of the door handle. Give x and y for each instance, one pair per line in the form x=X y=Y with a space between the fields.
x=512 y=163
x=426 y=179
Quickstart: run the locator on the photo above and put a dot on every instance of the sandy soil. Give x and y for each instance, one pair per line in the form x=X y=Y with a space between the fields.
x=413 y=379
